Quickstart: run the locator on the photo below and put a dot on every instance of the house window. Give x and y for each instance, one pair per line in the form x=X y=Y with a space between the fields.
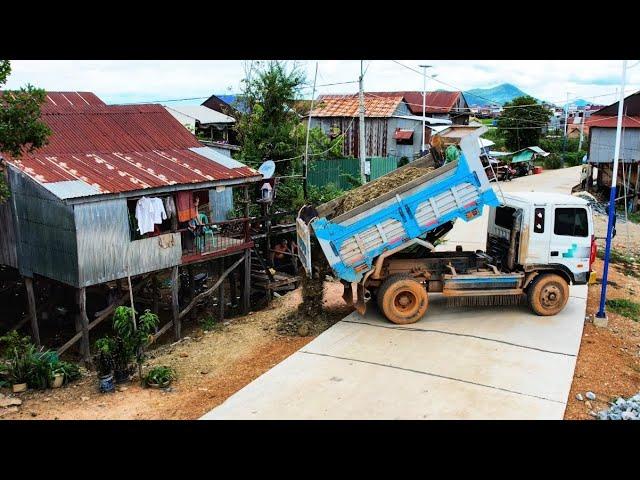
x=504 y=217
x=403 y=136
x=135 y=226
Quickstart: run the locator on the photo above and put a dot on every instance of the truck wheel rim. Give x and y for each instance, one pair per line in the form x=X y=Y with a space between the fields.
x=405 y=302
x=550 y=296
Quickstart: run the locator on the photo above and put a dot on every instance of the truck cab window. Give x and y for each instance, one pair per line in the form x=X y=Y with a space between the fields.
x=571 y=222
x=504 y=217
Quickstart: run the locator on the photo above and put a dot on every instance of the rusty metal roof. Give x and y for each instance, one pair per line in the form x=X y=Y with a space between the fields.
x=402 y=134
x=118 y=148
x=436 y=102
x=348 y=105
x=611 y=121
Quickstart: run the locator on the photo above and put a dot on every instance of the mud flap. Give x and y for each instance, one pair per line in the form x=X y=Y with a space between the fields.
x=361 y=305
x=347 y=294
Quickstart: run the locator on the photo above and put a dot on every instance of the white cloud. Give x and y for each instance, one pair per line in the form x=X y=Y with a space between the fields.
x=139 y=81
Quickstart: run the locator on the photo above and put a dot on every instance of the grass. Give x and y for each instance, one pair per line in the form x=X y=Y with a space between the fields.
x=634 y=217
x=625 y=307
x=617 y=257
x=211 y=324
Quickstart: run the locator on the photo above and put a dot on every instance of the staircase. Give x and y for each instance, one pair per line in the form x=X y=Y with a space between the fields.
x=268 y=280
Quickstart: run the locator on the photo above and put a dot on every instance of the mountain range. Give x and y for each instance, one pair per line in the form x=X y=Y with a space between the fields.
x=485 y=96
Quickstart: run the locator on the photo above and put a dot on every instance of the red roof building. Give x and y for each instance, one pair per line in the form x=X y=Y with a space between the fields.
x=121 y=148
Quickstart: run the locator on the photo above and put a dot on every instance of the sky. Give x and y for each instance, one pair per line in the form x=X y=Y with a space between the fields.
x=133 y=81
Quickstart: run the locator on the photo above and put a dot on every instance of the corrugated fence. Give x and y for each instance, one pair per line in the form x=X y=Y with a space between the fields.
x=339 y=170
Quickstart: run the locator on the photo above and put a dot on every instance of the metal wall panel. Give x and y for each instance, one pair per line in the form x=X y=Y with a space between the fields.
x=221 y=203
x=8 y=247
x=46 y=241
x=105 y=248
x=602 y=145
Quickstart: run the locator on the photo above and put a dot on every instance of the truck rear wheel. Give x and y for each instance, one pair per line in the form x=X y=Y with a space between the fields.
x=402 y=299
x=548 y=294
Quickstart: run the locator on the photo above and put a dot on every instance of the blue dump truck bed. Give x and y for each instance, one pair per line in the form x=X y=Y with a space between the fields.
x=352 y=241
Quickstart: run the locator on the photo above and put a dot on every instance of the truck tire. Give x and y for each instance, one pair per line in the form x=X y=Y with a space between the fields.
x=402 y=299
x=548 y=294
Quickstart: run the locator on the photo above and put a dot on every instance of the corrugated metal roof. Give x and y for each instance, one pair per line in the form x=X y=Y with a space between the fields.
x=119 y=148
x=612 y=122
x=71 y=189
x=348 y=105
x=202 y=114
x=436 y=102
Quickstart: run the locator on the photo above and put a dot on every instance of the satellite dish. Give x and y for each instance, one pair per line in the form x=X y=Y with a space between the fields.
x=267 y=169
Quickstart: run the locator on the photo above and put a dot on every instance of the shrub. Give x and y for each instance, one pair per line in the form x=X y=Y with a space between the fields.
x=625 y=307
x=160 y=375
x=552 y=161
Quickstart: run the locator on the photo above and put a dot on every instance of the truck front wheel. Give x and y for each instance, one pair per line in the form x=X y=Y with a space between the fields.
x=548 y=294
x=402 y=299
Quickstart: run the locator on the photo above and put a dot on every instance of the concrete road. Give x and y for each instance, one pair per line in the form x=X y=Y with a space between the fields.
x=455 y=363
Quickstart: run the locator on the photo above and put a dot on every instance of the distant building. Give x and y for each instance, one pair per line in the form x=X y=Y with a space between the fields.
x=207 y=124
x=450 y=106
x=602 y=134
x=391 y=128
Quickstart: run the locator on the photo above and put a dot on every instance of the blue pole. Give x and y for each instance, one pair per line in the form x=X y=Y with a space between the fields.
x=605 y=273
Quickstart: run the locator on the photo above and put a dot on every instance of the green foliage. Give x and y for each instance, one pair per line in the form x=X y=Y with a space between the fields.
x=105 y=355
x=160 y=375
x=12 y=342
x=522 y=127
x=134 y=338
x=71 y=371
x=266 y=131
x=20 y=125
x=403 y=161
x=210 y=323
x=625 y=307
x=496 y=137
x=552 y=161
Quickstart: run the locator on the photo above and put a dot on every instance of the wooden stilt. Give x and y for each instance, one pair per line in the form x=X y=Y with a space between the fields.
x=221 y=301
x=33 y=314
x=233 y=288
x=156 y=293
x=246 y=288
x=192 y=287
x=84 y=325
x=175 y=308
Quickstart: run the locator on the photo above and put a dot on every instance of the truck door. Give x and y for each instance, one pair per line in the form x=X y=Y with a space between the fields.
x=570 y=240
x=537 y=247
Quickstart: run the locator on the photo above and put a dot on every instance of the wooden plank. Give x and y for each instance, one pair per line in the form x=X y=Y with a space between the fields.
x=175 y=307
x=33 y=314
x=163 y=330
x=101 y=315
x=85 y=349
x=210 y=290
x=221 y=291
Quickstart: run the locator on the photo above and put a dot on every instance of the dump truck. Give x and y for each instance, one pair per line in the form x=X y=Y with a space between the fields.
x=537 y=243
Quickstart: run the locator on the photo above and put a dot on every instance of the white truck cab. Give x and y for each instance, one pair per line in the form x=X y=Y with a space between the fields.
x=551 y=232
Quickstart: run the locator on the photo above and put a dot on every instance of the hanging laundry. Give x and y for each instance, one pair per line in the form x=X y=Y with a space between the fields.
x=185 y=206
x=149 y=212
x=170 y=207
x=145 y=215
x=159 y=213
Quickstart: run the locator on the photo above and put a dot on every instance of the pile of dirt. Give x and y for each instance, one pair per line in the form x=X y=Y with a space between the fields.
x=361 y=195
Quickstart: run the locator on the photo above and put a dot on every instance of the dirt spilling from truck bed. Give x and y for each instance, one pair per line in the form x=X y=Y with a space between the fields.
x=361 y=195
x=310 y=317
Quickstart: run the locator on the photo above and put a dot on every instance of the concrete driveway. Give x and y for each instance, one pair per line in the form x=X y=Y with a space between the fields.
x=455 y=363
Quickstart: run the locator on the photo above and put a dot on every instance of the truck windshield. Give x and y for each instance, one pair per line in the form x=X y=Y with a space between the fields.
x=571 y=222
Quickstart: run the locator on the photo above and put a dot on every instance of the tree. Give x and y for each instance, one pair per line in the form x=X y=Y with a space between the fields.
x=521 y=126
x=21 y=129
x=271 y=128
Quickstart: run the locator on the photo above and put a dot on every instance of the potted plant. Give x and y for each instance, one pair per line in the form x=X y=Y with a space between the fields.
x=105 y=363
x=62 y=373
x=160 y=377
x=19 y=370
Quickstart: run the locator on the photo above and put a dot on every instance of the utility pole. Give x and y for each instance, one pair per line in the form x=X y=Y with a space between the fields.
x=363 y=149
x=306 y=146
x=424 y=104
x=566 y=123
x=601 y=315
x=584 y=117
